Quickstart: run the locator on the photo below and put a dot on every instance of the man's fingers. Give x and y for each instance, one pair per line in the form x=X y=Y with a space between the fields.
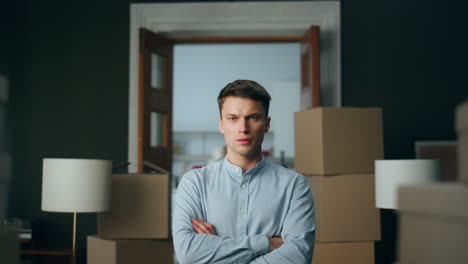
x=275 y=242
x=203 y=227
x=211 y=229
x=196 y=229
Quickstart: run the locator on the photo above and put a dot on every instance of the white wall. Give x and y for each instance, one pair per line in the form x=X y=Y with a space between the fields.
x=286 y=101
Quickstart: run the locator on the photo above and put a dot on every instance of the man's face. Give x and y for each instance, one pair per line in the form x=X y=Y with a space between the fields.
x=243 y=124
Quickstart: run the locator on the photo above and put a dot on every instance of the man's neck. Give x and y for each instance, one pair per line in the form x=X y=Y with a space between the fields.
x=244 y=162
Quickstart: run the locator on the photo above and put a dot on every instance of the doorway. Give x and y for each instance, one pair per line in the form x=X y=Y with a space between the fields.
x=202 y=70
x=219 y=19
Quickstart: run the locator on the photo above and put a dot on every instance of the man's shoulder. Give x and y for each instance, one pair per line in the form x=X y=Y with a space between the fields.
x=283 y=172
x=204 y=172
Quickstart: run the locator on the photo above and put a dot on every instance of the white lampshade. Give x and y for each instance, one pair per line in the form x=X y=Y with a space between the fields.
x=76 y=185
x=389 y=174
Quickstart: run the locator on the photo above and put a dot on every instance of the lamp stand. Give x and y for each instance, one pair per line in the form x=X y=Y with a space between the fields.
x=74 y=239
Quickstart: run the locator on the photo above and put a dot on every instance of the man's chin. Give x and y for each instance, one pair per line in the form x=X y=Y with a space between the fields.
x=250 y=154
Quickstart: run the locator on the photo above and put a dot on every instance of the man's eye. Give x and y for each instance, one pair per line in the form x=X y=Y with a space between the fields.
x=255 y=118
x=231 y=118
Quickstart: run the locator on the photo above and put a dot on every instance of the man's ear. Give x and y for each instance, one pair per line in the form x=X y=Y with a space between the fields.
x=267 y=127
x=220 y=125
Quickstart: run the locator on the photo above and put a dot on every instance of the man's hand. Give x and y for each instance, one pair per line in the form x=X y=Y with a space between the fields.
x=201 y=227
x=275 y=242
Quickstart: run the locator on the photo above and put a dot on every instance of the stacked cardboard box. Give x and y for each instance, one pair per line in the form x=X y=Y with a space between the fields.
x=433 y=223
x=122 y=251
x=434 y=217
x=335 y=148
x=137 y=228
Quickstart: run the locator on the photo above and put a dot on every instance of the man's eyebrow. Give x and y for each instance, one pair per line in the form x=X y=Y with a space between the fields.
x=255 y=114
x=249 y=115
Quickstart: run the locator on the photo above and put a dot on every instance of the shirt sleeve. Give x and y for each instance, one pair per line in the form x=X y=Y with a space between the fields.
x=191 y=247
x=298 y=232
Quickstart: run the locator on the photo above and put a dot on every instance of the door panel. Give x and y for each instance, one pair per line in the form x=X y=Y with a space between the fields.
x=155 y=101
x=310 y=68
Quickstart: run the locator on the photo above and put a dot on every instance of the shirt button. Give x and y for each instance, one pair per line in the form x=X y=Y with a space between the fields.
x=238 y=170
x=242 y=211
x=244 y=186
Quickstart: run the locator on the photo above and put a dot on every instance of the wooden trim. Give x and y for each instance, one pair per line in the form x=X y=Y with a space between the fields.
x=155 y=100
x=315 y=54
x=238 y=39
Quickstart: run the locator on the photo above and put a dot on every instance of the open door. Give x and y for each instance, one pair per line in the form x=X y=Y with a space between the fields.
x=155 y=102
x=310 y=68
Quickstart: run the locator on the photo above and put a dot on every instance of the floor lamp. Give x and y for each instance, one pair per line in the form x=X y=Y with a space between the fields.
x=76 y=186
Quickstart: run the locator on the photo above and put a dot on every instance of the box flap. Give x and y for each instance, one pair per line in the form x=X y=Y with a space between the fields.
x=462 y=117
x=442 y=199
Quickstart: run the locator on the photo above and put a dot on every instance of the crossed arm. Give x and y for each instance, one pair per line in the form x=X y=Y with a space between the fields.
x=196 y=241
x=202 y=227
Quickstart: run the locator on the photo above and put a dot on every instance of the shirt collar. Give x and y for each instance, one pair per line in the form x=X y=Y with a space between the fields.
x=237 y=171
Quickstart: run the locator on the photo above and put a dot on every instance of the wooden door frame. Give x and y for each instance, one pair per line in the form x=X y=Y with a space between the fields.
x=224 y=19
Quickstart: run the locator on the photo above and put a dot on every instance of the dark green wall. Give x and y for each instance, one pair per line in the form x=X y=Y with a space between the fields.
x=4 y=39
x=5 y=43
x=408 y=57
x=68 y=69
x=69 y=98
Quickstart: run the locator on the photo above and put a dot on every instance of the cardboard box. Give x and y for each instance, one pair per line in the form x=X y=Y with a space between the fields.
x=9 y=245
x=433 y=223
x=347 y=252
x=462 y=130
x=337 y=140
x=345 y=208
x=129 y=251
x=140 y=207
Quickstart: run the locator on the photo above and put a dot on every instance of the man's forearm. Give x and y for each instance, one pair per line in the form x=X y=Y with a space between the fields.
x=205 y=248
x=295 y=250
x=202 y=227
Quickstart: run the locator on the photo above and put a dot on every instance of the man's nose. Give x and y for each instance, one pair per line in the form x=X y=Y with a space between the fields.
x=243 y=126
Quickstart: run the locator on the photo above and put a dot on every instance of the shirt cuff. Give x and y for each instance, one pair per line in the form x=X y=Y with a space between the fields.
x=260 y=244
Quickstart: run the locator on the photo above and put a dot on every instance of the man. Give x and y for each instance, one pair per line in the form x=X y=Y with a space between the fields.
x=243 y=209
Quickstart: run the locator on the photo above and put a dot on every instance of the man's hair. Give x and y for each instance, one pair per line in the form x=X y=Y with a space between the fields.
x=245 y=89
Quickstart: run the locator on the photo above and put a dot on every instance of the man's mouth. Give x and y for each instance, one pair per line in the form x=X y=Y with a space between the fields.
x=244 y=140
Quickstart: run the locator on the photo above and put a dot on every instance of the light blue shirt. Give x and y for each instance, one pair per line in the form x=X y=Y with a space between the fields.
x=245 y=209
